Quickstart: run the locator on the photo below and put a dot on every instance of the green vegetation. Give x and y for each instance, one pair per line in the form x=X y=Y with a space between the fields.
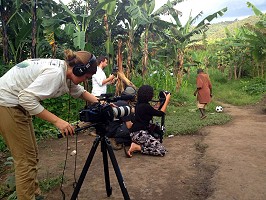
x=47 y=184
x=171 y=55
x=162 y=54
x=217 y=31
x=185 y=120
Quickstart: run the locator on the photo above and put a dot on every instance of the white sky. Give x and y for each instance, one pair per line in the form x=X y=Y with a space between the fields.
x=236 y=9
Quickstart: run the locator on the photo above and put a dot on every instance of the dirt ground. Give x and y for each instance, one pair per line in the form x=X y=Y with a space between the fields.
x=225 y=162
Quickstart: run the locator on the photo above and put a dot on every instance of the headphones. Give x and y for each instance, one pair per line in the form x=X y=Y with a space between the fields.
x=81 y=69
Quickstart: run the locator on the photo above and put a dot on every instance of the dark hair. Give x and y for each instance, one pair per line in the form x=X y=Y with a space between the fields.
x=199 y=70
x=145 y=94
x=101 y=59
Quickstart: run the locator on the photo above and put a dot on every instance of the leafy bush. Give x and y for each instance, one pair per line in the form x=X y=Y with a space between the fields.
x=218 y=77
x=4 y=68
x=2 y=144
x=254 y=86
x=64 y=107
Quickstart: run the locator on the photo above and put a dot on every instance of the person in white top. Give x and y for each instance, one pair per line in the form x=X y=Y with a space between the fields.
x=21 y=90
x=99 y=80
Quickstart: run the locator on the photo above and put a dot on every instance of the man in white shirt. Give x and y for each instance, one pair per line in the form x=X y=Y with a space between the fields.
x=99 y=80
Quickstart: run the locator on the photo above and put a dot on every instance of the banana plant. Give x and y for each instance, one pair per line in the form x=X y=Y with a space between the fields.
x=109 y=9
x=145 y=18
x=179 y=37
x=15 y=29
x=255 y=37
x=78 y=27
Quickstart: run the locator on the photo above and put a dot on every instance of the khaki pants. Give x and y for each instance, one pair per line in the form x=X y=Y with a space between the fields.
x=17 y=130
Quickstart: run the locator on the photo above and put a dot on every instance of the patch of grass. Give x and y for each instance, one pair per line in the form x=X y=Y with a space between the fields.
x=240 y=92
x=47 y=184
x=186 y=120
x=7 y=187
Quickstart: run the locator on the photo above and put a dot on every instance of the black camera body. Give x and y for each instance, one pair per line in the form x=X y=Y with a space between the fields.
x=162 y=97
x=97 y=113
x=115 y=70
x=104 y=112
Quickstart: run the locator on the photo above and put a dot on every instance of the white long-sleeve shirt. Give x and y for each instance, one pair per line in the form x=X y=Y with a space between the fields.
x=33 y=80
x=98 y=87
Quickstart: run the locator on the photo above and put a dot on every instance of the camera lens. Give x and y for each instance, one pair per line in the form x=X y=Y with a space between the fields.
x=121 y=111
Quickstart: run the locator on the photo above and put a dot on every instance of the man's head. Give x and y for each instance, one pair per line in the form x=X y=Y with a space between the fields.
x=199 y=70
x=129 y=91
x=102 y=61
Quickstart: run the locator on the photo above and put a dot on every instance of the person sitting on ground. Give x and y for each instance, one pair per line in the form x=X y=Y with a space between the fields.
x=203 y=91
x=142 y=141
x=118 y=130
x=22 y=89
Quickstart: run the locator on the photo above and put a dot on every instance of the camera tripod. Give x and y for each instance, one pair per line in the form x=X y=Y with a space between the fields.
x=105 y=146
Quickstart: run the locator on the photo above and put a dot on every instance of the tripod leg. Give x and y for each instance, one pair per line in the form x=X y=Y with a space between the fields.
x=106 y=169
x=85 y=168
x=116 y=169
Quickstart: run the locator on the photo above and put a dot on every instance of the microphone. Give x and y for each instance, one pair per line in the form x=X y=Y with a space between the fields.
x=108 y=97
x=122 y=97
x=125 y=97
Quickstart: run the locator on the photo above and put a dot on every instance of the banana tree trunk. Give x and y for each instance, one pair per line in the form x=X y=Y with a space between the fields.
x=4 y=34
x=122 y=80
x=34 y=28
x=129 y=64
x=179 y=70
x=119 y=59
x=235 y=72
x=262 y=70
x=145 y=54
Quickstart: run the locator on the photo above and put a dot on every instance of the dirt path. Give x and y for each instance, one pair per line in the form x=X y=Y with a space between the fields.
x=238 y=149
x=146 y=177
x=225 y=162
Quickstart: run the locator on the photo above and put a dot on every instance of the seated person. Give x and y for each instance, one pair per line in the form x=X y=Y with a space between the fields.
x=141 y=139
x=118 y=130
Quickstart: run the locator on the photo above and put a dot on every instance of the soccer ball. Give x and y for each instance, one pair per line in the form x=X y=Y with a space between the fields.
x=219 y=109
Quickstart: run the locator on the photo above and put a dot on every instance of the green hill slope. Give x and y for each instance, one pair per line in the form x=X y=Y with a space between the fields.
x=217 y=30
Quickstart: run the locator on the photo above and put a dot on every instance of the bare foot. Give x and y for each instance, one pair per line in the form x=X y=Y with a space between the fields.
x=133 y=147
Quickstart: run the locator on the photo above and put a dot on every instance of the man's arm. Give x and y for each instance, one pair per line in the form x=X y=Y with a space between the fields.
x=109 y=79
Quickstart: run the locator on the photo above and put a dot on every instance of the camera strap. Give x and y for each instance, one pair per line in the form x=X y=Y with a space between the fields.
x=67 y=148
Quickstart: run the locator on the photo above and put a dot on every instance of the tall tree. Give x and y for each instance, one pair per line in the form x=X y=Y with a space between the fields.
x=4 y=19
x=255 y=36
x=34 y=28
x=179 y=37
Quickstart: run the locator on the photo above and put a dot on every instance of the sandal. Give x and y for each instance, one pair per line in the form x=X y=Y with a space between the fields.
x=203 y=117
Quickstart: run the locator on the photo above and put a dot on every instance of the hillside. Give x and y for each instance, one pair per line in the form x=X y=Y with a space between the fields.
x=217 y=30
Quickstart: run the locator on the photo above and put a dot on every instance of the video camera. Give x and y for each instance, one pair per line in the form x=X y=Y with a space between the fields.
x=115 y=69
x=162 y=97
x=104 y=112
